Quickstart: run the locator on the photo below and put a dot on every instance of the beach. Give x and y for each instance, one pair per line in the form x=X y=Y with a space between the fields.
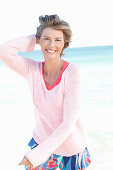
x=17 y=111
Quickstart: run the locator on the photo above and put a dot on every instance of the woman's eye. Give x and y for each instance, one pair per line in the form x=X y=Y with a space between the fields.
x=57 y=40
x=46 y=39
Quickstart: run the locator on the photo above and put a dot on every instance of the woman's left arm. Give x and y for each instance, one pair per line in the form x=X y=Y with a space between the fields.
x=41 y=153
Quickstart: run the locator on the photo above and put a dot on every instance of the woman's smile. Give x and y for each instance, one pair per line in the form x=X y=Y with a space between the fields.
x=50 y=51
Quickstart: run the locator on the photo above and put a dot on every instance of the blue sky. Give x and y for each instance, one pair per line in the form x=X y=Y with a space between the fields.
x=90 y=20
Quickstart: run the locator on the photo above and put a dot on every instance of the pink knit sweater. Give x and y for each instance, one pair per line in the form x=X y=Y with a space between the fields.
x=58 y=128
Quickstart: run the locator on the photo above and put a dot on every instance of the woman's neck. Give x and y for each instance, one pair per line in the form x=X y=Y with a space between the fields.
x=51 y=67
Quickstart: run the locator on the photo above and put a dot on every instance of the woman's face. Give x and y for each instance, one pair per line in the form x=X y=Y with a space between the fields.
x=51 y=42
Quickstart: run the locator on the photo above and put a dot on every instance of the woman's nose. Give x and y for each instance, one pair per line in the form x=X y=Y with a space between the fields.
x=51 y=43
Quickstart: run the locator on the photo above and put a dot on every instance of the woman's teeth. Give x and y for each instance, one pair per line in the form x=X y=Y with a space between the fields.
x=51 y=51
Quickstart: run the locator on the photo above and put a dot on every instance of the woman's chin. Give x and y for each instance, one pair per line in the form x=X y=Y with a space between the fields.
x=51 y=56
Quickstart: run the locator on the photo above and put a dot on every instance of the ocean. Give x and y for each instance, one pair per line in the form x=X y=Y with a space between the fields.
x=16 y=107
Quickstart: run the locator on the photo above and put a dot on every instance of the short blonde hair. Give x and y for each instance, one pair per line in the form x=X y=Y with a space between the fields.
x=53 y=21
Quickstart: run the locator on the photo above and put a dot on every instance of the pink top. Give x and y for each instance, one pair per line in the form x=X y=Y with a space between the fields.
x=58 y=128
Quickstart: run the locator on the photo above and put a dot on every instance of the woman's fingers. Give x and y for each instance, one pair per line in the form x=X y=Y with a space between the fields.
x=23 y=161
x=26 y=162
x=37 y=40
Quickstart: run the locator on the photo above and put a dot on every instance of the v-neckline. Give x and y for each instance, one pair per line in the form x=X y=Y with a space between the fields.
x=50 y=87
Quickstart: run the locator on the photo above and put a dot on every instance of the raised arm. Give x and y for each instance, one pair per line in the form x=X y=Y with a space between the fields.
x=9 y=53
x=71 y=109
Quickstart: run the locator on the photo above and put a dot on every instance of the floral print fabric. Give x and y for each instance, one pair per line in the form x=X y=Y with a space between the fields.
x=79 y=161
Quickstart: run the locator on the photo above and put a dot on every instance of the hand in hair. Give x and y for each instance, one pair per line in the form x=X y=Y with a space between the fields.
x=37 y=39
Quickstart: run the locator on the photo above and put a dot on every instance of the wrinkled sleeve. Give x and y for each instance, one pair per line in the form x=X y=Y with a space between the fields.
x=42 y=152
x=9 y=53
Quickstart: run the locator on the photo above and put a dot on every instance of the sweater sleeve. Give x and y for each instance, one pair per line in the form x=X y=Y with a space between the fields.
x=9 y=53
x=42 y=152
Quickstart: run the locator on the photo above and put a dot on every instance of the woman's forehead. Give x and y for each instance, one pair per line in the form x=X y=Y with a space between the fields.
x=51 y=32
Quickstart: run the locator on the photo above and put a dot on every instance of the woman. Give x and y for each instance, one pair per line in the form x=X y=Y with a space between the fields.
x=58 y=139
